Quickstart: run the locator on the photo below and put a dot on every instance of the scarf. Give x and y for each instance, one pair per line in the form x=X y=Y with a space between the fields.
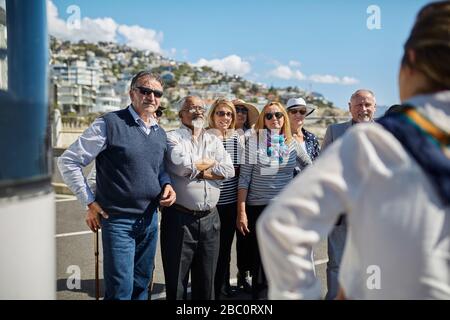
x=425 y=142
x=276 y=146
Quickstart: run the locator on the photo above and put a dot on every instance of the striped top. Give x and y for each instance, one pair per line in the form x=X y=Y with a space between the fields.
x=228 y=190
x=262 y=176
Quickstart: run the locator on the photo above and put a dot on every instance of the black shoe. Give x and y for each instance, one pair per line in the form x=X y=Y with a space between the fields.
x=227 y=291
x=244 y=281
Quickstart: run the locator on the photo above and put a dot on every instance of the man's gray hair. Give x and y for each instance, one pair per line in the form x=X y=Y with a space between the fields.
x=145 y=73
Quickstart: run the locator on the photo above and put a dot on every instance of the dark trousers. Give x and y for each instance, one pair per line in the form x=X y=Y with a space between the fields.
x=259 y=281
x=243 y=256
x=189 y=243
x=227 y=214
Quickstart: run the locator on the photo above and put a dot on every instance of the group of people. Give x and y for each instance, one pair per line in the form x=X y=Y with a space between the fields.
x=381 y=192
x=390 y=179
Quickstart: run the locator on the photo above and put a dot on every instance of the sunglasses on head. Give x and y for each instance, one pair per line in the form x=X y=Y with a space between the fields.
x=223 y=114
x=147 y=91
x=277 y=115
x=301 y=111
x=240 y=109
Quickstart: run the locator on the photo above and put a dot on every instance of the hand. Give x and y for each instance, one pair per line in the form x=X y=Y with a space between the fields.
x=92 y=216
x=242 y=223
x=209 y=175
x=168 y=196
x=341 y=294
x=204 y=164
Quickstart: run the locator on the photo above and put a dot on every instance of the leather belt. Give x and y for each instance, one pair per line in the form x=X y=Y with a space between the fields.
x=195 y=213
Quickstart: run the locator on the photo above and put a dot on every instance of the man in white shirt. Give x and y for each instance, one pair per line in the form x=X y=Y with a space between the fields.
x=190 y=230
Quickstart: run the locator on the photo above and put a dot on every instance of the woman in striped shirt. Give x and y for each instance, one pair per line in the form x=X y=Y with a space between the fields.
x=222 y=119
x=246 y=117
x=268 y=168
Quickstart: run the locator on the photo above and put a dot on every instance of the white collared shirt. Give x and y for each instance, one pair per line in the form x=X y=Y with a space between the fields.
x=182 y=153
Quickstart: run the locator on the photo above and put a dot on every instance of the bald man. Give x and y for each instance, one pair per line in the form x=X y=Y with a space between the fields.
x=362 y=107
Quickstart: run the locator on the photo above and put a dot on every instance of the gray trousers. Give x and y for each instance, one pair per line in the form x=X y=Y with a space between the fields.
x=336 y=245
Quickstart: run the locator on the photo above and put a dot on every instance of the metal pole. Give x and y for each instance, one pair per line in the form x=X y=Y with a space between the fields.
x=27 y=207
x=97 y=281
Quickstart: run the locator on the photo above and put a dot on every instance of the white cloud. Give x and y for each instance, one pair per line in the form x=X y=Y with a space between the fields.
x=324 y=78
x=101 y=29
x=349 y=80
x=232 y=64
x=329 y=79
x=141 y=38
x=286 y=73
x=294 y=63
x=91 y=30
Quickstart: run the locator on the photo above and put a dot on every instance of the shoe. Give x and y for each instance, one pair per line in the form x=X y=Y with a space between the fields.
x=244 y=281
x=226 y=291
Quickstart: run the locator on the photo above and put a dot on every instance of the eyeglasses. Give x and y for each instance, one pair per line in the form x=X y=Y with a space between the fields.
x=223 y=114
x=277 y=115
x=147 y=91
x=242 y=110
x=195 y=109
x=301 y=111
x=159 y=113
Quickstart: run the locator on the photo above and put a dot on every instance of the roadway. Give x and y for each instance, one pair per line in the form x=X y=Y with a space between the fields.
x=76 y=261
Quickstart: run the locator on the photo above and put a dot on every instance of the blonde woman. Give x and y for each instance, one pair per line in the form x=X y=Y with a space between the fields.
x=221 y=120
x=269 y=167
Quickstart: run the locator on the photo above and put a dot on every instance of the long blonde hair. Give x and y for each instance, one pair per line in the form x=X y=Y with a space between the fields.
x=285 y=129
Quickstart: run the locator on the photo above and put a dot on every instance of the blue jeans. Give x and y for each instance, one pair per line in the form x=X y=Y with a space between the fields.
x=129 y=247
x=336 y=245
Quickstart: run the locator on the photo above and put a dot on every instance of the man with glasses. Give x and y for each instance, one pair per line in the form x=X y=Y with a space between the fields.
x=190 y=229
x=128 y=147
x=362 y=107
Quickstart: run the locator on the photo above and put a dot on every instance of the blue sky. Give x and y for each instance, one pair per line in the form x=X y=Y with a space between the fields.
x=321 y=45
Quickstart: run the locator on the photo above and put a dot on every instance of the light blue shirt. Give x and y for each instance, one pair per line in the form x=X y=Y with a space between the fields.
x=85 y=149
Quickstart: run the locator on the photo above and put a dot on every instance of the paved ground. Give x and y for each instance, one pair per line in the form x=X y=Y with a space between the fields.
x=75 y=256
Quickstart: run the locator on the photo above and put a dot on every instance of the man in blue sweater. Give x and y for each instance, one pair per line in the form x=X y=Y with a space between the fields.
x=128 y=147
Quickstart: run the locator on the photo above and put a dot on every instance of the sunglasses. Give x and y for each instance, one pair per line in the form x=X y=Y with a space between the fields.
x=242 y=110
x=223 y=114
x=147 y=91
x=301 y=111
x=277 y=115
x=159 y=113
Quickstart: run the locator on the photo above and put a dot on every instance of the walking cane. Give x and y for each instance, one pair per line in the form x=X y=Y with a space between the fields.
x=97 y=284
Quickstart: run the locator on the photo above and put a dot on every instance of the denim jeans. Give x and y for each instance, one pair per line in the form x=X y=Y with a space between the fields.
x=336 y=245
x=129 y=247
